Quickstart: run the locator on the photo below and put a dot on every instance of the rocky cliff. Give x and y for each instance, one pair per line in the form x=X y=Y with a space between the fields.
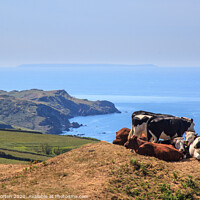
x=47 y=111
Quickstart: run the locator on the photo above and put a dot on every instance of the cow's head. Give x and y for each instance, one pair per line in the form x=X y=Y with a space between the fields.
x=121 y=136
x=132 y=143
x=190 y=124
x=179 y=143
x=191 y=128
x=189 y=137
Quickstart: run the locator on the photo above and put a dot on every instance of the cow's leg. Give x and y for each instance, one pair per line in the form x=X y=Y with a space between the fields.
x=164 y=136
x=149 y=136
x=139 y=129
x=130 y=133
x=155 y=138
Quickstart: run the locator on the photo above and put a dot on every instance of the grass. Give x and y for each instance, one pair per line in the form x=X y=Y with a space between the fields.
x=104 y=171
x=20 y=157
x=11 y=161
x=136 y=180
x=40 y=147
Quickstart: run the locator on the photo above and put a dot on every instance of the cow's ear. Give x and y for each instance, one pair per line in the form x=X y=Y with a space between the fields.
x=191 y=120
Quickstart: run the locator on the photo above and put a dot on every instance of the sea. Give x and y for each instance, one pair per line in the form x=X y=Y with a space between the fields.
x=167 y=90
x=104 y=127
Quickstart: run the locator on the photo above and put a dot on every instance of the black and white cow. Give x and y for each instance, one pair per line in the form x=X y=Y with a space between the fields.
x=168 y=127
x=139 y=122
x=193 y=141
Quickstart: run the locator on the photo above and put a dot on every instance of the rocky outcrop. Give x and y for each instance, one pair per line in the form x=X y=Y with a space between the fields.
x=47 y=111
x=35 y=116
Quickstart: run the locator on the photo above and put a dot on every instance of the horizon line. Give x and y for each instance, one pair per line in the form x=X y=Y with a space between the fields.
x=97 y=64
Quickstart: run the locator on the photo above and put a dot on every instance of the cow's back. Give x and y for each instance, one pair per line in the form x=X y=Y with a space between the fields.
x=160 y=151
x=160 y=123
x=141 y=112
x=170 y=126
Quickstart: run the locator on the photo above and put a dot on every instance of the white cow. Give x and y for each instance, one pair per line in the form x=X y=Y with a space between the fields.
x=194 y=144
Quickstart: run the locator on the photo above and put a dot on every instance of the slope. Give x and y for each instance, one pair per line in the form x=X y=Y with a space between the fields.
x=104 y=171
x=23 y=147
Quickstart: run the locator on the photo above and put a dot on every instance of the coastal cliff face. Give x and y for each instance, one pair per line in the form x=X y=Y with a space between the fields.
x=47 y=111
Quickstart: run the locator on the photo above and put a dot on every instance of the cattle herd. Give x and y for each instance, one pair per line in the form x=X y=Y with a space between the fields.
x=147 y=130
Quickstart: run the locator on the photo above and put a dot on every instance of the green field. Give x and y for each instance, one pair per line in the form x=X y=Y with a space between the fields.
x=21 y=147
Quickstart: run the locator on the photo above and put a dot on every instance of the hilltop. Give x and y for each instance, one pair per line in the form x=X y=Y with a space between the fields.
x=104 y=171
x=47 y=111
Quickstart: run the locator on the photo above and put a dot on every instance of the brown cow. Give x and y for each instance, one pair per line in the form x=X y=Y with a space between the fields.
x=121 y=136
x=161 y=151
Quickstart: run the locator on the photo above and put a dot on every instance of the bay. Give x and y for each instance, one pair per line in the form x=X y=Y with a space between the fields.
x=104 y=127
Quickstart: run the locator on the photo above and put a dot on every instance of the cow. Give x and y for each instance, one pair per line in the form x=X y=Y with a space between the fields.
x=179 y=143
x=139 y=122
x=122 y=136
x=168 y=127
x=160 y=151
x=194 y=144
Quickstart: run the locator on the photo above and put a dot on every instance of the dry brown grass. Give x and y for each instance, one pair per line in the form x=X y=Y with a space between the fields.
x=100 y=171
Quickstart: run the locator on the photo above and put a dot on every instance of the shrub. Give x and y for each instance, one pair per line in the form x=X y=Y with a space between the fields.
x=57 y=151
x=46 y=149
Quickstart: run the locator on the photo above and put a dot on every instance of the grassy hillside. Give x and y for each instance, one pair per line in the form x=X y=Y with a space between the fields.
x=32 y=115
x=47 y=111
x=61 y=100
x=23 y=147
x=104 y=171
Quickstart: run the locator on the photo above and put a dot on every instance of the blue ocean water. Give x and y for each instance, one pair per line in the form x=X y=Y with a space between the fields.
x=104 y=127
x=170 y=90
x=119 y=80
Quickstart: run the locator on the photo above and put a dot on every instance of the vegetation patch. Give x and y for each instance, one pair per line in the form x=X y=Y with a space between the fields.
x=22 y=147
x=104 y=171
x=142 y=180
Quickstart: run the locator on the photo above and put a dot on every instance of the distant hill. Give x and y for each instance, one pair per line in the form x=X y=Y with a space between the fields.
x=47 y=111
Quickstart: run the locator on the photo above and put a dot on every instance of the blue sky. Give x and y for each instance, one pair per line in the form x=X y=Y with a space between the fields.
x=164 y=33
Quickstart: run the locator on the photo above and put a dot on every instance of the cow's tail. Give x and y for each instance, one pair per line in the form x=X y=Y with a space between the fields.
x=130 y=133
